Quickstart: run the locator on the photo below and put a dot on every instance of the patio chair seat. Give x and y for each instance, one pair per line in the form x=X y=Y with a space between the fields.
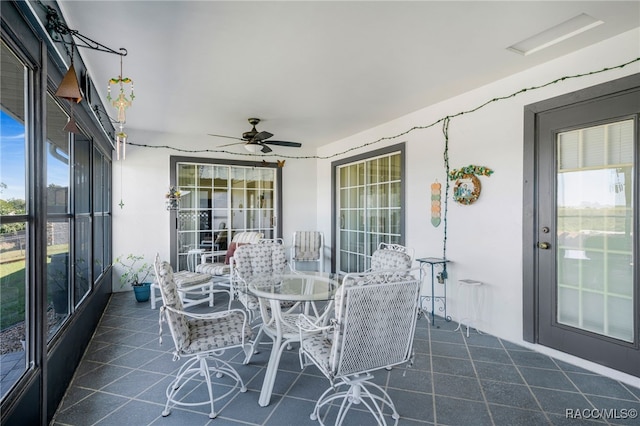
x=216 y=333
x=217 y=269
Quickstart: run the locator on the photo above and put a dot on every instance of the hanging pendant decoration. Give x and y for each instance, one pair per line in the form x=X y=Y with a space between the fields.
x=121 y=142
x=435 y=203
x=173 y=198
x=467 y=188
x=121 y=103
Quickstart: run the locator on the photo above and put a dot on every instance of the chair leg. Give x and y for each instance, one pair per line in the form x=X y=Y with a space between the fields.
x=154 y=298
x=204 y=368
x=196 y=368
x=254 y=345
x=211 y=295
x=358 y=393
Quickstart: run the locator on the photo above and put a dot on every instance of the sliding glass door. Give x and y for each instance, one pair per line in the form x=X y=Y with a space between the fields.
x=219 y=200
x=369 y=206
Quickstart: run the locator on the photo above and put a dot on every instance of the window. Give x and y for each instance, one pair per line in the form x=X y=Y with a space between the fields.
x=594 y=225
x=14 y=247
x=57 y=172
x=217 y=200
x=101 y=213
x=49 y=181
x=369 y=195
x=82 y=226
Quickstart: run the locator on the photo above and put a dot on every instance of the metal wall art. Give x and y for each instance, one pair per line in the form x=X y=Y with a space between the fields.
x=435 y=203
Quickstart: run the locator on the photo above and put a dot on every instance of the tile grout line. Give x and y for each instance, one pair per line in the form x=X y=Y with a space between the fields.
x=433 y=379
x=579 y=391
x=477 y=376
x=535 y=398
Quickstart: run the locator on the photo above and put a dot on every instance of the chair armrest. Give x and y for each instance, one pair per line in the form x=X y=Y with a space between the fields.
x=211 y=255
x=209 y=315
x=308 y=324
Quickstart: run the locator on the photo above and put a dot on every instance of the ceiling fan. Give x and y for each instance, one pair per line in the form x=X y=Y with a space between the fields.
x=255 y=141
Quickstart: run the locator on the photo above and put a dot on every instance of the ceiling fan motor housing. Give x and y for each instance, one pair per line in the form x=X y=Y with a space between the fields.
x=251 y=133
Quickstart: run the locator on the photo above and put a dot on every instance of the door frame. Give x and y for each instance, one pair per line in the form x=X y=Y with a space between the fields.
x=173 y=214
x=530 y=220
x=335 y=228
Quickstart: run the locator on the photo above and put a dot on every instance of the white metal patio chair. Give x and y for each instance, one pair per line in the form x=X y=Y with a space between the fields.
x=202 y=338
x=373 y=329
x=391 y=256
x=217 y=263
x=307 y=247
x=193 y=288
x=265 y=258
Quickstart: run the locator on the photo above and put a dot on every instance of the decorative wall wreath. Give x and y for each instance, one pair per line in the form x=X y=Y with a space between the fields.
x=467 y=188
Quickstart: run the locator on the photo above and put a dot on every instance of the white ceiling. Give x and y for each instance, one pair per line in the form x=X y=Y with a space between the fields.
x=315 y=71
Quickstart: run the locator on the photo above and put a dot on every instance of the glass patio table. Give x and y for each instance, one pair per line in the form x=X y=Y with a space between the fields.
x=303 y=291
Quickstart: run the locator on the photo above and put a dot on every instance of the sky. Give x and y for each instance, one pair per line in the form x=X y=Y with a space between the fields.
x=12 y=164
x=12 y=161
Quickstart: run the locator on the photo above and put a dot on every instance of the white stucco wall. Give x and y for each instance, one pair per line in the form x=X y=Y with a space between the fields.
x=484 y=240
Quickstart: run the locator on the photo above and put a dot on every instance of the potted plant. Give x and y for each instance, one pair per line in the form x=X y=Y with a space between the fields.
x=135 y=273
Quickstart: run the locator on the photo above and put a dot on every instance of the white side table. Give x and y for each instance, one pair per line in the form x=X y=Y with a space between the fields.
x=472 y=303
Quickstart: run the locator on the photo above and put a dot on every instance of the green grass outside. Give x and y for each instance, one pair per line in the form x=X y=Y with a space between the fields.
x=12 y=293
x=13 y=286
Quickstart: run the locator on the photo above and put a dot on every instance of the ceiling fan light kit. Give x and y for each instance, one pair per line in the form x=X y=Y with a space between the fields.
x=255 y=141
x=253 y=147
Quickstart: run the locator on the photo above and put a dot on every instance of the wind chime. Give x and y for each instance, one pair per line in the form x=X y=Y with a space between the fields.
x=121 y=103
x=69 y=89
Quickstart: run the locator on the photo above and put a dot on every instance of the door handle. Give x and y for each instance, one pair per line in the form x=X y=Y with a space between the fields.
x=544 y=246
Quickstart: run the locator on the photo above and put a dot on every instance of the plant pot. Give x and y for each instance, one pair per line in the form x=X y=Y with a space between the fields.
x=142 y=291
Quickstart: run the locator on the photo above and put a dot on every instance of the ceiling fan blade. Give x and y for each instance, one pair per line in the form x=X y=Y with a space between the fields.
x=228 y=137
x=231 y=144
x=266 y=149
x=284 y=143
x=262 y=136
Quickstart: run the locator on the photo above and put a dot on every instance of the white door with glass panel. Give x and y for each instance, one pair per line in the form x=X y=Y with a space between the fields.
x=587 y=231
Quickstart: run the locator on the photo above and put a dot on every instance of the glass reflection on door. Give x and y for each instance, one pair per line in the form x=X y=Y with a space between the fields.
x=595 y=289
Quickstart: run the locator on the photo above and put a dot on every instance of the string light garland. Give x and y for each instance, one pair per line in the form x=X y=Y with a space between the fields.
x=445 y=131
x=444 y=120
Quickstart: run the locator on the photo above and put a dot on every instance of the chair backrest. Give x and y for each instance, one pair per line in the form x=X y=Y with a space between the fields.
x=391 y=256
x=169 y=292
x=307 y=245
x=256 y=259
x=247 y=237
x=271 y=241
x=376 y=315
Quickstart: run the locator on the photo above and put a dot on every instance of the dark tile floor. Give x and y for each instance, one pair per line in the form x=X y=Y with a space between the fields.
x=455 y=380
